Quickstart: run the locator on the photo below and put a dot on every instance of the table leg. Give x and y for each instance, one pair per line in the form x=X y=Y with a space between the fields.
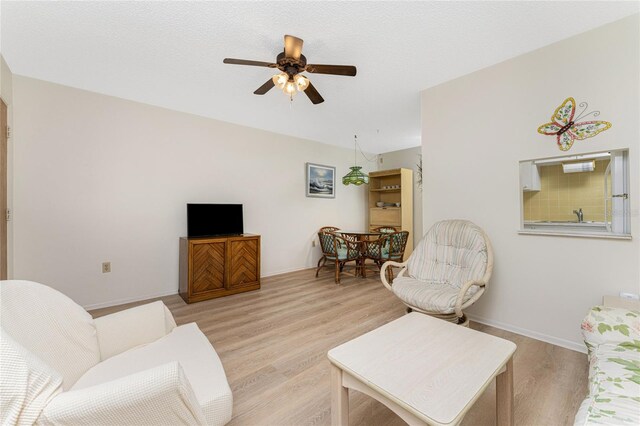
x=361 y=261
x=339 y=399
x=504 y=395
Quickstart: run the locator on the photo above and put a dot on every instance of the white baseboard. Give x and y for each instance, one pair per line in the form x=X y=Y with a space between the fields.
x=568 y=344
x=285 y=271
x=128 y=300
x=172 y=292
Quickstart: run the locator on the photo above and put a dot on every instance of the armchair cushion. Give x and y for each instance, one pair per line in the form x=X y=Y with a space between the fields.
x=159 y=395
x=50 y=325
x=612 y=336
x=604 y=324
x=342 y=253
x=188 y=346
x=27 y=384
x=133 y=327
x=452 y=252
x=616 y=370
x=386 y=256
x=429 y=296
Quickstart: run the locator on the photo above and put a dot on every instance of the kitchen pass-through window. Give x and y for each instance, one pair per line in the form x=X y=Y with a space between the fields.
x=580 y=195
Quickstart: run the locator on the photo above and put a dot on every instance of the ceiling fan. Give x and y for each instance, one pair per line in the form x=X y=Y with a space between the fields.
x=292 y=63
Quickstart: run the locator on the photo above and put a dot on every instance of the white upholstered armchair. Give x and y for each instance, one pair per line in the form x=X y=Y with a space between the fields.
x=446 y=273
x=135 y=367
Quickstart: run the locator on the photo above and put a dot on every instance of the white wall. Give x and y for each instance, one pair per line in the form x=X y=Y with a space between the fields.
x=476 y=129
x=99 y=179
x=409 y=159
x=6 y=93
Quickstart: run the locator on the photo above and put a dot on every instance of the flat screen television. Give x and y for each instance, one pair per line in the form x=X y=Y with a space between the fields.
x=209 y=220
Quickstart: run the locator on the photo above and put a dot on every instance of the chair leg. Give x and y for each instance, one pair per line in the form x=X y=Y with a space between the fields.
x=464 y=321
x=390 y=274
x=337 y=272
x=323 y=259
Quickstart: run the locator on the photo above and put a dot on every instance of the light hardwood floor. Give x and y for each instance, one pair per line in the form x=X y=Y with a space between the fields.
x=273 y=344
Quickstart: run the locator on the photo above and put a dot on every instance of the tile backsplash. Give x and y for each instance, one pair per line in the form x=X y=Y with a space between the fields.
x=562 y=193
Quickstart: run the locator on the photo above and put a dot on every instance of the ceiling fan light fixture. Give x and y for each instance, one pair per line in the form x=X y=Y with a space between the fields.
x=290 y=88
x=280 y=80
x=302 y=82
x=290 y=63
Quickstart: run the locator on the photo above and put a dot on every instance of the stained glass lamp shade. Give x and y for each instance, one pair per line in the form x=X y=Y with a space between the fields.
x=355 y=177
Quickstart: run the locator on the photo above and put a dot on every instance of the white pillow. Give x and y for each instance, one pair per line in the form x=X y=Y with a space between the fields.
x=26 y=383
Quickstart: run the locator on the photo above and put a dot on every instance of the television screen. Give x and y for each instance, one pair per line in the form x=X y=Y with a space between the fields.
x=208 y=220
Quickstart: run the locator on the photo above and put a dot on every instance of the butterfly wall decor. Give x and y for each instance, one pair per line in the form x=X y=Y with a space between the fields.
x=564 y=126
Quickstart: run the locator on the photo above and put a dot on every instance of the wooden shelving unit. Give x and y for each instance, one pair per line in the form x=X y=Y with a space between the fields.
x=401 y=181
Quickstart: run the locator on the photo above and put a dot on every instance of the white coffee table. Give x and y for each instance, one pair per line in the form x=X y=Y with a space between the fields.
x=428 y=371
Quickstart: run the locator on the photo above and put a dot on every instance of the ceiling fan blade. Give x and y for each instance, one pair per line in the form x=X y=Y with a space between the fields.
x=292 y=46
x=264 y=88
x=349 y=70
x=313 y=94
x=247 y=62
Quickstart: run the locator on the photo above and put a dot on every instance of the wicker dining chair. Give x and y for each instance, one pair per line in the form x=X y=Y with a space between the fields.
x=338 y=251
x=326 y=229
x=447 y=272
x=390 y=246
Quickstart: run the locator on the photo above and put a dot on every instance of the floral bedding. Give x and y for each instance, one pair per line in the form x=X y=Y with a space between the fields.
x=612 y=336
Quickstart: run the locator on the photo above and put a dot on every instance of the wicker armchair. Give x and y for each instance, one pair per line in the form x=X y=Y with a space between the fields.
x=337 y=250
x=447 y=272
x=390 y=246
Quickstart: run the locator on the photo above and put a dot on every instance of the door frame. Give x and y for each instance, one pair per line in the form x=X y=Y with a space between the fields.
x=4 y=146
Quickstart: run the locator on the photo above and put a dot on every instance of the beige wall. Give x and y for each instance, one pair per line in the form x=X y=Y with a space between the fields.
x=6 y=93
x=99 y=179
x=562 y=193
x=408 y=159
x=6 y=82
x=477 y=128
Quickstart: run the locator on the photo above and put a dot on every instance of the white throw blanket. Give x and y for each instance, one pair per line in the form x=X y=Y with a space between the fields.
x=26 y=383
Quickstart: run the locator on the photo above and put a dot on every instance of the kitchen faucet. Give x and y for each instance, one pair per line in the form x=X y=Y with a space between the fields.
x=579 y=214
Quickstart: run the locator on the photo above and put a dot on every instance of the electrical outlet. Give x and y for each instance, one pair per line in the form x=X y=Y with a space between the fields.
x=630 y=296
x=106 y=267
x=8 y=215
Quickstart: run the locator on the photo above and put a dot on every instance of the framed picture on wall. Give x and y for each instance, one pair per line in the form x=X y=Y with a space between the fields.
x=321 y=181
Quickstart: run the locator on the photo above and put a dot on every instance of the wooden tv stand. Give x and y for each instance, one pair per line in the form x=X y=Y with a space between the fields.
x=218 y=266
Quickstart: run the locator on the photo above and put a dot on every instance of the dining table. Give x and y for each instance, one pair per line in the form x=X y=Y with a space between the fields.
x=361 y=237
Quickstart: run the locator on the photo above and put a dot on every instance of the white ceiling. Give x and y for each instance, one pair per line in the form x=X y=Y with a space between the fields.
x=170 y=54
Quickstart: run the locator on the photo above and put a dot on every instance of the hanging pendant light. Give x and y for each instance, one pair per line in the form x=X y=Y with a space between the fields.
x=355 y=176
